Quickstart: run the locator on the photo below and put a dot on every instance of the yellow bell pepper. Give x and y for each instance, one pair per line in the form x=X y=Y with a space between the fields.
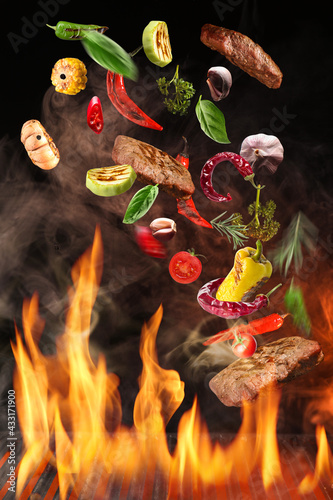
x=251 y=269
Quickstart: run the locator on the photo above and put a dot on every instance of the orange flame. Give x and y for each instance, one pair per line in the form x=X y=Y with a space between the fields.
x=161 y=391
x=323 y=466
x=69 y=408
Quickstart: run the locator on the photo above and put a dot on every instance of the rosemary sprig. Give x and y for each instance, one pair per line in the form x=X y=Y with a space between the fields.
x=231 y=228
x=300 y=232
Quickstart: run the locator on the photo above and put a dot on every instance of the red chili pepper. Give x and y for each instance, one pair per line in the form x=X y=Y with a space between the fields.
x=148 y=244
x=95 y=115
x=243 y=167
x=183 y=157
x=124 y=104
x=228 y=309
x=256 y=327
x=187 y=207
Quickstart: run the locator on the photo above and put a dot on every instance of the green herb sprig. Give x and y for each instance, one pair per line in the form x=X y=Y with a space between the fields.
x=178 y=93
x=262 y=226
x=231 y=227
x=301 y=232
x=295 y=305
x=267 y=227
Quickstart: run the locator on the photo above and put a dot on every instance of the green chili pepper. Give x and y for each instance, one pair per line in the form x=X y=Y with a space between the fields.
x=73 y=31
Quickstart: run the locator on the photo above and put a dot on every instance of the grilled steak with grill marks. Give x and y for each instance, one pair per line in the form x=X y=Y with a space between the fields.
x=243 y=52
x=153 y=166
x=274 y=363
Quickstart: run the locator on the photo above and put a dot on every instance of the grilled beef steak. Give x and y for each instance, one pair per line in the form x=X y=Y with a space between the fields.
x=274 y=363
x=153 y=166
x=243 y=52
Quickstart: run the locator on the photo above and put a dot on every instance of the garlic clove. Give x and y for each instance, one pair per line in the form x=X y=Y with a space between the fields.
x=163 y=229
x=219 y=82
x=262 y=151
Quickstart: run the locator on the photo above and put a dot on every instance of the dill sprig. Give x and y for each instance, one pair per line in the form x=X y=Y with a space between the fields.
x=300 y=232
x=231 y=228
x=178 y=97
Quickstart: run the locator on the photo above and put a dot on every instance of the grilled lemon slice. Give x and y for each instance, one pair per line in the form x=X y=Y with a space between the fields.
x=156 y=43
x=110 y=181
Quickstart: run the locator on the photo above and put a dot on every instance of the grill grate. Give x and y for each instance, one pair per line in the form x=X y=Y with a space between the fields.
x=297 y=456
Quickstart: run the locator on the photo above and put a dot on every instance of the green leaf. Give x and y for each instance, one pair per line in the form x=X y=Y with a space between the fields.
x=300 y=233
x=109 y=54
x=140 y=204
x=211 y=121
x=295 y=305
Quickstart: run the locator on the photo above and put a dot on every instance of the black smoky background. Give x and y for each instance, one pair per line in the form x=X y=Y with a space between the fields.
x=48 y=218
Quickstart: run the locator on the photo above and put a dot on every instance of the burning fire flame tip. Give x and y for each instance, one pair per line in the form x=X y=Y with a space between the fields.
x=66 y=402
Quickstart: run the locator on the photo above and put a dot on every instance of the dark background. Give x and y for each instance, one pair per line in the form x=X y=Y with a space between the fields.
x=48 y=218
x=297 y=35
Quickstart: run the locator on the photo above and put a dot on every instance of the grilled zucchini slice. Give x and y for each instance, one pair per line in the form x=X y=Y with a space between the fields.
x=110 y=181
x=156 y=43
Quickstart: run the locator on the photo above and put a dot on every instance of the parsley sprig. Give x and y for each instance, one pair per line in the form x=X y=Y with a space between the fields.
x=178 y=93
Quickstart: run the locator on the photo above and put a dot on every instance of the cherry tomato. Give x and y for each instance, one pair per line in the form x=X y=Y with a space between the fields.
x=185 y=267
x=148 y=244
x=244 y=345
x=95 y=115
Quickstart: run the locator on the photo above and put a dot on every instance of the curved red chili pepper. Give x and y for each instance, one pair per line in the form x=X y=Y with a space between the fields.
x=257 y=327
x=187 y=207
x=124 y=104
x=243 y=167
x=226 y=309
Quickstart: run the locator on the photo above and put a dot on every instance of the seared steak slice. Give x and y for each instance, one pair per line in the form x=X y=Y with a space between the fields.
x=274 y=363
x=153 y=166
x=243 y=52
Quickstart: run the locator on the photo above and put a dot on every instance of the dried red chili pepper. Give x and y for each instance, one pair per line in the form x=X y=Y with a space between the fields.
x=95 y=115
x=228 y=309
x=187 y=207
x=256 y=327
x=124 y=104
x=243 y=167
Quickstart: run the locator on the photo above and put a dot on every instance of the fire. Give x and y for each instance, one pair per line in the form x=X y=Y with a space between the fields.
x=70 y=412
x=198 y=461
x=323 y=466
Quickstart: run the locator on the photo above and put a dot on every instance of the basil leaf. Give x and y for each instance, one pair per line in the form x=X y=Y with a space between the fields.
x=140 y=204
x=211 y=121
x=109 y=54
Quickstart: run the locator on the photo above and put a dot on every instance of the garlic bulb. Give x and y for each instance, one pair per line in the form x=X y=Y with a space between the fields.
x=219 y=82
x=262 y=150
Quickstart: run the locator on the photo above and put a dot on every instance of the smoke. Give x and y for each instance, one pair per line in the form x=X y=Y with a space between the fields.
x=48 y=220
